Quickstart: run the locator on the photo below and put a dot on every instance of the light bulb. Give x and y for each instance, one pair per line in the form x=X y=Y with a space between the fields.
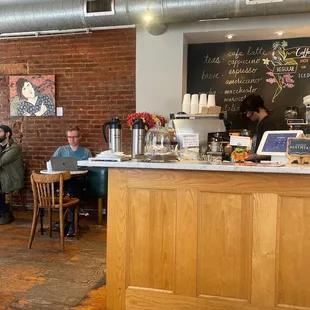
x=148 y=17
x=230 y=36
x=279 y=33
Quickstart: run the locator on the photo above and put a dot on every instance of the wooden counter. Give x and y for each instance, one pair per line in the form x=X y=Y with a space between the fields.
x=208 y=240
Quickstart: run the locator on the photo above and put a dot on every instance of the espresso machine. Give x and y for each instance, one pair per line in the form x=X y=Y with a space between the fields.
x=306 y=102
x=302 y=124
x=207 y=126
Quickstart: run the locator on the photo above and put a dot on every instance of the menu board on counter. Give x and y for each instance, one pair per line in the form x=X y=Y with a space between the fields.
x=278 y=70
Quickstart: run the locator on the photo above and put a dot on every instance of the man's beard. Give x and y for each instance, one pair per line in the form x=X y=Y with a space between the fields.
x=2 y=138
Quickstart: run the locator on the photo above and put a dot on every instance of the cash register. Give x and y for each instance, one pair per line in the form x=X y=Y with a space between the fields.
x=274 y=144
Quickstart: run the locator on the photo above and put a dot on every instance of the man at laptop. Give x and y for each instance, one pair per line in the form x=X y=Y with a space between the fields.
x=254 y=108
x=73 y=149
x=76 y=185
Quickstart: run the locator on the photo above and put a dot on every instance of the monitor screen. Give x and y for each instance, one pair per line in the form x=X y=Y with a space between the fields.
x=274 y=142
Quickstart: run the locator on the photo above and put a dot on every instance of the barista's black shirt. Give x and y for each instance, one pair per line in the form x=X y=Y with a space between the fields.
x=265 y=124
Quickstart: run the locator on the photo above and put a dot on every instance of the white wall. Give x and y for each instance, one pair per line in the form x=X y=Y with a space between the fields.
x=161 y=61
x=159 y=68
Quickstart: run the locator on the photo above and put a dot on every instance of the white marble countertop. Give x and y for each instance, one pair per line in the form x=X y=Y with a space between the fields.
x=198 y=166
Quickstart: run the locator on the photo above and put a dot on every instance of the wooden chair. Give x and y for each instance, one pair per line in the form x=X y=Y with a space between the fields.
x=44 y=197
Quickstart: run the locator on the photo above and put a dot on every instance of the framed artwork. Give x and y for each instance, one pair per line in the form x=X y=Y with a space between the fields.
x=32 y=95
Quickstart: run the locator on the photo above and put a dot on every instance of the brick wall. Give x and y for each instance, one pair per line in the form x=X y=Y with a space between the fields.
x=95 y=80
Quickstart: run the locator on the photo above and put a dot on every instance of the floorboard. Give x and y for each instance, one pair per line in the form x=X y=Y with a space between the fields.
x=46 y=278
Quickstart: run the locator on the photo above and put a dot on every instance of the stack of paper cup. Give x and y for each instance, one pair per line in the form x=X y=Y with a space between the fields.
x=202 y=102
x=194 y=104
x=186 y=104
x=211 y=100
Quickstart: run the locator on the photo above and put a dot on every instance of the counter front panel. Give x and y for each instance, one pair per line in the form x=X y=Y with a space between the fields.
x=207 y=240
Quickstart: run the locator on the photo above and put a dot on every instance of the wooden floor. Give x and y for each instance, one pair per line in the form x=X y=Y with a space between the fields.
x=44 y=277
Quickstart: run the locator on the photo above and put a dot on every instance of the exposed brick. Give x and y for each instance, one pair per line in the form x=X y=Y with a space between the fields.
x=95 y=80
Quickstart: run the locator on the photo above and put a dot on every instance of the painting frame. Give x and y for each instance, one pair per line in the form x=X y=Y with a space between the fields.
x=32 y=95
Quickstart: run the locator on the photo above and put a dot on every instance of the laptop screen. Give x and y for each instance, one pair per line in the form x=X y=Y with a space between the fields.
x=64 y=163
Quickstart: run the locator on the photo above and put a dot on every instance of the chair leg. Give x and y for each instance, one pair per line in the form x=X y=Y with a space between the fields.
x=22 y=195
x=76 y=222
x=100 y=207
x=11 y=200
x=33 y=226
x=41 y=220
x=50 y=222
x=62 y=230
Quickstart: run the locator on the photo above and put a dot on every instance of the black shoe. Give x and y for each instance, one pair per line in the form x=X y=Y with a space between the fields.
x=6 y=217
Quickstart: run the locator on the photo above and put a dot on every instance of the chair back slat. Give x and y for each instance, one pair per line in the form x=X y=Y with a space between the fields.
x=43 y=186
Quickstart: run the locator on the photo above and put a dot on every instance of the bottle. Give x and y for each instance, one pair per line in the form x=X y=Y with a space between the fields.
x=227 y=152
x=138 y=137
x=115 y=134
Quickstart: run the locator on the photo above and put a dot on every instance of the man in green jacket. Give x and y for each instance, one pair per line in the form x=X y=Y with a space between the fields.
x=11 y=171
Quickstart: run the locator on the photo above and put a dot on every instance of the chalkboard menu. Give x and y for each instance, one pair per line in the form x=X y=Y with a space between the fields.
x=278 y=70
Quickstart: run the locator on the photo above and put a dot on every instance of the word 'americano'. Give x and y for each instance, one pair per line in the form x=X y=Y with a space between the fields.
x=243 y=81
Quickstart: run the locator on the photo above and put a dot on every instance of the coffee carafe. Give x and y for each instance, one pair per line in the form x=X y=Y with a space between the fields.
x=138 y=137
x=115 y=134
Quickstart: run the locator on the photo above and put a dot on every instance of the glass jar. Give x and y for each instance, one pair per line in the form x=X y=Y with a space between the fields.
x=158 y=141
x=291 y=113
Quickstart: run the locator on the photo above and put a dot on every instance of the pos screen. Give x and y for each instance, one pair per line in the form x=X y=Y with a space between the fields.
x=275 y=142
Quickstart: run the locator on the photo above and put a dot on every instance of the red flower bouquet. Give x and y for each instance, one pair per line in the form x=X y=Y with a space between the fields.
x=149 y=119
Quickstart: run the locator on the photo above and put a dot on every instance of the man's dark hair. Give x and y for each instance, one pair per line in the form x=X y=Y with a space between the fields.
x=252 y=103
x=6 y=129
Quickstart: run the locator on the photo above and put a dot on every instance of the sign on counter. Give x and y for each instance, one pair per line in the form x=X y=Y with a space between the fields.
x=240 y=141
x=298 y=150
x=191 y=140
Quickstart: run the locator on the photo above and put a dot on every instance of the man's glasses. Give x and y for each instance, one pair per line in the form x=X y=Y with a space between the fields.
x=73 y=137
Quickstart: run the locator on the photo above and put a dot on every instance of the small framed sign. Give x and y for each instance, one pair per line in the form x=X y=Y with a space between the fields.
x=298 y=150
x=240 y=141
x=190 y=140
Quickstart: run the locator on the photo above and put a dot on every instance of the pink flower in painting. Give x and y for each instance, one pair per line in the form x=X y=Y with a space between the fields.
x=271 y=81
x=287 y=81
x=288 y=78
x=289 y=85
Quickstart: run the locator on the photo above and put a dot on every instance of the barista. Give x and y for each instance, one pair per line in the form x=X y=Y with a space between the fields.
x=253 y=107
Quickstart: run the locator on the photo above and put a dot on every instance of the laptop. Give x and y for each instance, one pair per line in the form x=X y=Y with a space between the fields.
x=64 y=163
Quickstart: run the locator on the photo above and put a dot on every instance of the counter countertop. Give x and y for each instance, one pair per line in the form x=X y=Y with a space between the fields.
x=197 y=166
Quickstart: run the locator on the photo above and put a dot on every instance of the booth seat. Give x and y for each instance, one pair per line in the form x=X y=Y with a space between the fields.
x=97 y=187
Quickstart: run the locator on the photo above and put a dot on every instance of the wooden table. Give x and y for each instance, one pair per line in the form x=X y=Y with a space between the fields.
x=73 y=173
